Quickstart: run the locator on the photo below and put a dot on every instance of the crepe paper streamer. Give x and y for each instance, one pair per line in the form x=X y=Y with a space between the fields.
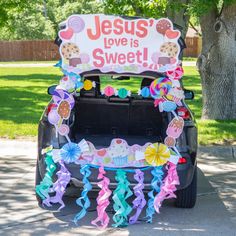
x=139 y=202
x=144 y=92
x=167 y=106
x=60 y=95
x=84 y=201
x=157 y=173
x=157 y=154
x=108 y=91
x=121 y=193
x=160 y=87
x=43 y=188
x=88 y=84
x=175 y=74
x=59 y=187
x=102 y=200
x=168 y=187
x=70 y=152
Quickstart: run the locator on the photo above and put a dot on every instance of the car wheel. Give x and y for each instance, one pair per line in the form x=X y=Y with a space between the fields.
x=186 y=198
x=38 y=179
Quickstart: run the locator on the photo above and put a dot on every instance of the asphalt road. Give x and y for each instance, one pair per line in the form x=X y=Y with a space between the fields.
x=214 y=213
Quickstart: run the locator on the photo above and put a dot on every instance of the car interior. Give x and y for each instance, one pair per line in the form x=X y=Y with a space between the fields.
x=99 y=119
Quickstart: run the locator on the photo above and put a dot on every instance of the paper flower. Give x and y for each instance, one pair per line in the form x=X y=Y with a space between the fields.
x=70 y=152
x=157 y=154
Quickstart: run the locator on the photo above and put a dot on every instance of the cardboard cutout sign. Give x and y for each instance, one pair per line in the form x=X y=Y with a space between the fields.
x=111 y=43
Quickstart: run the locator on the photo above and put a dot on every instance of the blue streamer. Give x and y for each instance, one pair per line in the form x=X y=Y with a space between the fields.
x=84 y=201
x=157 y=173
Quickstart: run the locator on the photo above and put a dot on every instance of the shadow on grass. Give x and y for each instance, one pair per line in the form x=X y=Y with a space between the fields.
x=48 y=78
x=22 y=105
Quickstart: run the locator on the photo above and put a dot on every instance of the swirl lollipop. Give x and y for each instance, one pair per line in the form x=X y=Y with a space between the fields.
x=76 y=23
x=59 y=95
x=64 y=131
x=160 y=87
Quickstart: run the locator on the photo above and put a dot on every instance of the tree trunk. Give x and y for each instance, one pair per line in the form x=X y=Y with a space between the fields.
x=217 y=63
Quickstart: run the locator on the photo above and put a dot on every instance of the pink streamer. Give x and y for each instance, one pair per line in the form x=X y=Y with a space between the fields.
x=168 y=187
x=102 y=200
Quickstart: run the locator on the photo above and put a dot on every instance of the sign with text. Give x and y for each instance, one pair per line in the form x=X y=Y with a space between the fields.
x=115 y=44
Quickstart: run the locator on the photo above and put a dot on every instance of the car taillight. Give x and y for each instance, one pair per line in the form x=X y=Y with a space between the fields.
x=183 y=112
x=49 y=108
x=182 y=160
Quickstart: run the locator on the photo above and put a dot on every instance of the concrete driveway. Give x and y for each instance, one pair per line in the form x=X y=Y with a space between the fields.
x=214 y=213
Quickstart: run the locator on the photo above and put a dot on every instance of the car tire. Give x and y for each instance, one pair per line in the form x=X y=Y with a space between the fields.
x=38 y=179
x=186 y=198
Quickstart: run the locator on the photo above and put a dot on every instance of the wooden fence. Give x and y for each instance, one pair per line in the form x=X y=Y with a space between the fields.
x=46 y=50
x=194 y=46
x=25 y=50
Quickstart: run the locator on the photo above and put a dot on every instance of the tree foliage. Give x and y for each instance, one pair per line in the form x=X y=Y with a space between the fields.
x=39 y=19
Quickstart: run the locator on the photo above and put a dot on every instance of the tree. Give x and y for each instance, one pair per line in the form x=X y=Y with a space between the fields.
x=217 y=61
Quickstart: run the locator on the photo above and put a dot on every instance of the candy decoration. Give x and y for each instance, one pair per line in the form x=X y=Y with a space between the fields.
x=84 y=201
x=144 y=92
x=59 y=187
x=168 y=188
x=70 y=152
x=121 y=193
x=64 y=130
x=157 y=154
x=43 y=188
x=163 y=25
x=160 y=87
x=76 y=23
x=169 y=141
x=167 y=106
x=175 y=127
x=108 y=91
x=88 y=84
x=53 y=117
x=139 y=202
x=102 y=200
x=64 y=110
x=175 y=74
x=156 y=186
x=62 y=95
x=123 y=93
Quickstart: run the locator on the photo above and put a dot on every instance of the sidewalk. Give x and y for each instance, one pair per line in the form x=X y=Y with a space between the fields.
x=214 y=213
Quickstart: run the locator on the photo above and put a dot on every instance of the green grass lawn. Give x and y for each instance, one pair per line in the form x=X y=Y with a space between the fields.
x=23 y=96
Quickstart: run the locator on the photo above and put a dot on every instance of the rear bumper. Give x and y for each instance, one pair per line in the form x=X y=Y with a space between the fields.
x=185 y=173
